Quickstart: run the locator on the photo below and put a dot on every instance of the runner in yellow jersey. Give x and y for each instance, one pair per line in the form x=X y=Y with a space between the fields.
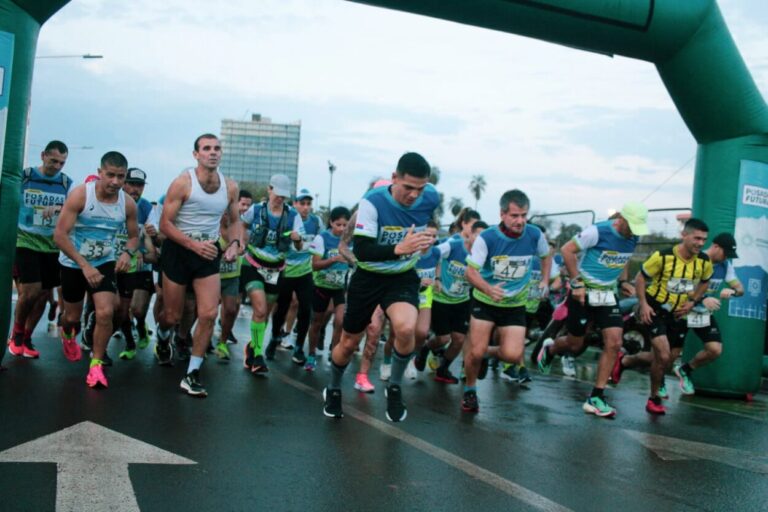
x=671 y=283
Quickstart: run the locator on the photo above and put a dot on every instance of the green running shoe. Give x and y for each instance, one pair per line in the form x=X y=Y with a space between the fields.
x=599 y=407
x=686 y=386
x=143 y=342
x=222 y=351
x=127 y=355
x=663 y=393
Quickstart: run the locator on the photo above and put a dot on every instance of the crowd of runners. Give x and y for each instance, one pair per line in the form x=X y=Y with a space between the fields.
x=458 y=302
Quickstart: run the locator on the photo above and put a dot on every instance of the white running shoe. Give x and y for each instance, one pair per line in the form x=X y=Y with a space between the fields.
x=569 y=366
x=385 y=371
x=410 y=371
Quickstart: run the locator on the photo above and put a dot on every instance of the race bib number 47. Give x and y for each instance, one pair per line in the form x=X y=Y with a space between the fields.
x=507 y=269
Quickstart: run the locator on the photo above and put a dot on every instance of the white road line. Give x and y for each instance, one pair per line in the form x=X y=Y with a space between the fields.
x=515 y=490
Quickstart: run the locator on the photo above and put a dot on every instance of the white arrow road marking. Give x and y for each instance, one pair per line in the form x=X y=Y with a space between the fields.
x=92 y=463
x=670 y=448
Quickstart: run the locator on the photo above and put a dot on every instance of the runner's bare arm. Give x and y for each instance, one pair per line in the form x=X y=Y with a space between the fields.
x=73 y=205
x=234 y=230
x=178 y=192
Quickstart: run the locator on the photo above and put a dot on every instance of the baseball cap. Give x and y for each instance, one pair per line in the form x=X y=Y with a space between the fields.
x=281 y=185
x=728 y=243
x=636 y=215
x=136 y=175
x=304 y=194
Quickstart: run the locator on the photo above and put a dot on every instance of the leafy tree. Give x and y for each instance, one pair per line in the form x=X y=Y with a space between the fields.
x=477 y=187
x=260 y=192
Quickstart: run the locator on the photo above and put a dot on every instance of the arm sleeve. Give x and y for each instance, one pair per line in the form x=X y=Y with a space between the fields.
x=367 y=223
x=587 y=238
x=317 y=247
x=249 y=214
x=366 y=248
x=479 y=253
x=445 y=249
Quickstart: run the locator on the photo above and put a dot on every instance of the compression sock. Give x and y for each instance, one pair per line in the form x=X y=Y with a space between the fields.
x=257 y=336
x=399 y=363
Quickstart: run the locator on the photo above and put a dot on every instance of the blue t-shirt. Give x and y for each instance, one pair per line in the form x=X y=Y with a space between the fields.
x=454 y=287
x=326 y=245
x=504 y=260
x=604 y=254
x=382 y=218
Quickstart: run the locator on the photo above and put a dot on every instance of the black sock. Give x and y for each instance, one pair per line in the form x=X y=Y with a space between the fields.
x=687 y=368
x=337 y=372
x=655 y=399
x=597 y=393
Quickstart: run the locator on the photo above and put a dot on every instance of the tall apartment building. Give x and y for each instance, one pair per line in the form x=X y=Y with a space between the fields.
x=255 y=150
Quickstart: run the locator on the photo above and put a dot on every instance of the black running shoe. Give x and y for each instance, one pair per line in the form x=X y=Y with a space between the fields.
x=182 y=349
x=106 y=360
x=271 y=347
x=321 y=340
x=483 y=369
x=299 y=358
x=52 y=311
x=396 y=410
x=259 y=366
x=469 y=403
x=248 y=356
x=192 y=385
x=332 y=406
x=163 y=352
x=444 y=375
x=420 y=361
x=87 y=335
x=231 y=338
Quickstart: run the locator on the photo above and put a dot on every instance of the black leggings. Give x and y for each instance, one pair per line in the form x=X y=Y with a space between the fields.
x=303 y=287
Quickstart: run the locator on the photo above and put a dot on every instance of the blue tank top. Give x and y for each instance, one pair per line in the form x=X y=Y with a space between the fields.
x=38 y=192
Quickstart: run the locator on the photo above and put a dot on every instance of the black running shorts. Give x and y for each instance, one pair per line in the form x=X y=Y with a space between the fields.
x=323 y=296
x=183 y=266
x=74 y=284
x=369 y=289
x=500 y=316
x=38 y=267
x=448 y=318
x=581 y=315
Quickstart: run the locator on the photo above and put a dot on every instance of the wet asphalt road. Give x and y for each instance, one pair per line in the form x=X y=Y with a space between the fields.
x=264 y=444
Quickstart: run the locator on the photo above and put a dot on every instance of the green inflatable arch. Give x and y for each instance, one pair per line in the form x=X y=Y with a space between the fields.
x=688 y=42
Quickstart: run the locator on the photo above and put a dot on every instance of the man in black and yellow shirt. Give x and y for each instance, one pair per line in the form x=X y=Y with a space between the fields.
x=670 y=287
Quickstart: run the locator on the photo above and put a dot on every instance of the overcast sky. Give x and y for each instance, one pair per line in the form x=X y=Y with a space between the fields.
x=575 y=130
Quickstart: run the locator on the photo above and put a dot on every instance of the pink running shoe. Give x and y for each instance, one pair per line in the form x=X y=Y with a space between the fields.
x=14 y=349
x=72 y=350
x=363 y=384
x=96 y=377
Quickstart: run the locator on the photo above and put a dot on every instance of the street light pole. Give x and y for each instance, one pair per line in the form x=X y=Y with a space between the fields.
x=86 y=56
x=331 y=169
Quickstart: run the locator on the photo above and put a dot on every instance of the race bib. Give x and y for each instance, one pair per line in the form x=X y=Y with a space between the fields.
x=334 y=278
x=270 y=275
x=39 y=220
x=601 y=298
x=458 y=288
x=505 y=269
x=696 y=320
x=199 y=237
x=680 y=285
x=120 y=244
x=95 y=249
x=227 y=267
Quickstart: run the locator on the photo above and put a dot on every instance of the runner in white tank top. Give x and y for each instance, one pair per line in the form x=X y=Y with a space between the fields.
x=193 y=207
x=89 y=219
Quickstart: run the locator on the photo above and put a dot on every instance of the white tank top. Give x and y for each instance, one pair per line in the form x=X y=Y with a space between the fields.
x=199 y=216
x=94 y=233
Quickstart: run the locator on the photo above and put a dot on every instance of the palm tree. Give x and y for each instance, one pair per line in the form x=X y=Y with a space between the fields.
x=455 y=204
x=477 y=187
